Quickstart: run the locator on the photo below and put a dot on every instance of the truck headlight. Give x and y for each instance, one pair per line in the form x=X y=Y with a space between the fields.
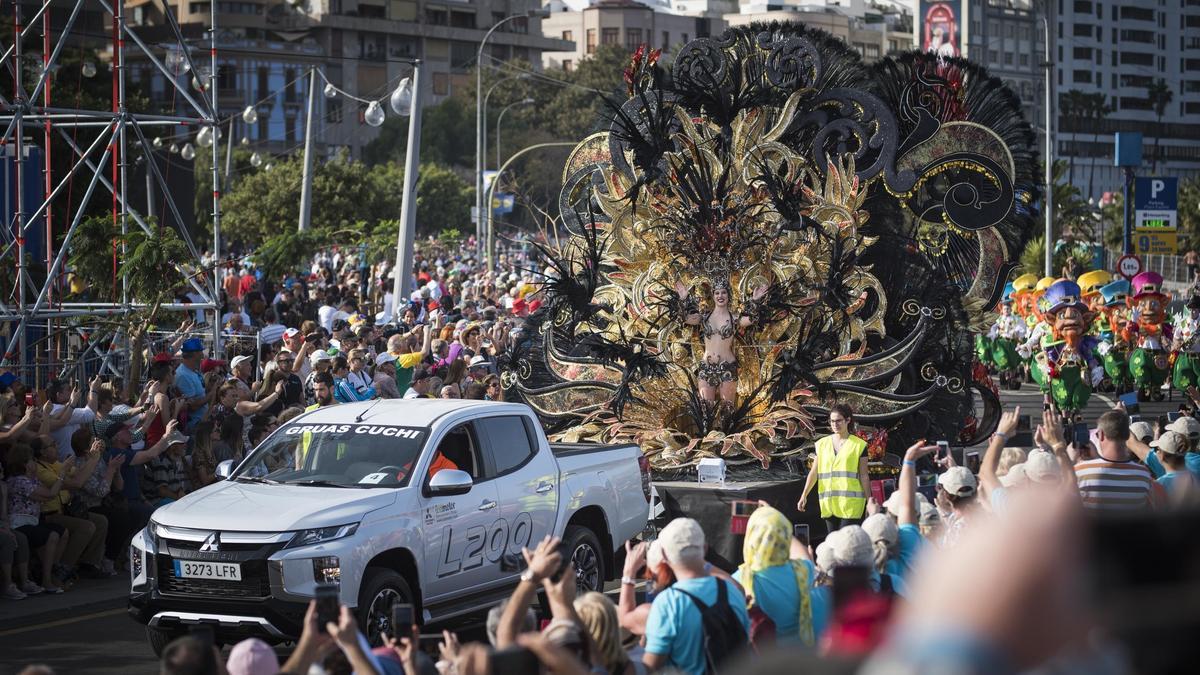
x=321 y=535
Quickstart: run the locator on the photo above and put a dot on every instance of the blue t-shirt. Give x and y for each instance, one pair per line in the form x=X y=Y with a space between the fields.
x=909 y=544
x=822 y=608
x=778 y=597
x=131 y=475
x=1191 y=460
x=191 y=385
x=674 y=628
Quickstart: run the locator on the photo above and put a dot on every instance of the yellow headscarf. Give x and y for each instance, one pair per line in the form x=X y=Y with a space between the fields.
x=768 y=544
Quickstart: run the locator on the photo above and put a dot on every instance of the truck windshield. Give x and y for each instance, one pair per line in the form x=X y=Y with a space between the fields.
x=336 y=455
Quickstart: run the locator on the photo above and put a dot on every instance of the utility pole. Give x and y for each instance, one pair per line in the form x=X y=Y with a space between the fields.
x=306 y=181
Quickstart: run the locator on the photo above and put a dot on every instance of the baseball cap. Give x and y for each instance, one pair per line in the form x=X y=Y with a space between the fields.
x=192 y=345
x=654 y=555
x=112 y=428
x=851 y=546
x=1042 y=467
x=239 y=360
x=320 y=355
x=1142 y=431
x=477 y=361
x=682 y=541
x=929 y=514
x=1186 y=426
x=209 y=365
x=252 y=656
x=386 y=357
x=1015 y=476
x=164 y=357
x=958 y=481
x=881 y=527
x=291 y=333
x=1171 y=442
x=892 y=503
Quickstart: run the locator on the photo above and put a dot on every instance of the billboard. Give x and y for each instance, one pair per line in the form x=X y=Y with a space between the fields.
x=941 y=27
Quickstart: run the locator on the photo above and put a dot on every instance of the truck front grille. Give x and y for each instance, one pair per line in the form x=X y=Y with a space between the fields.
x=255 y=583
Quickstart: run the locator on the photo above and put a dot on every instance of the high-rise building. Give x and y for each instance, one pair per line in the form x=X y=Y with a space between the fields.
x=1120 y=49
x=267 y=47
x=659 y=24
x=1007 y=37
x=875 y=30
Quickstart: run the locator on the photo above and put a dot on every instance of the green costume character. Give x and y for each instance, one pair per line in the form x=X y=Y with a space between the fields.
x=1186 y=371
x=1150 y=333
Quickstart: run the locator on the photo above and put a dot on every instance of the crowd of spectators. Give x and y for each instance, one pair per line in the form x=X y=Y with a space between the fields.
x=974 y=572
x=84 y=466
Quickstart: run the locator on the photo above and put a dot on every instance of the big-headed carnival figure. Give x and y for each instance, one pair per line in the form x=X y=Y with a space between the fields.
x=854 y=225
x=1004 y=336
x=1069 y=359
x=1114 y=348
x=1149 y=334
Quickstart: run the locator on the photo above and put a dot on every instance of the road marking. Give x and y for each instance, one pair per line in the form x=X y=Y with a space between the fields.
x=63 y=622
x=1107 y=400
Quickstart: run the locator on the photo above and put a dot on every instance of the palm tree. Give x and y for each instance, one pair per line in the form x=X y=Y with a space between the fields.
x=1071 y=105
x=1160 y=95
x=1097 y=110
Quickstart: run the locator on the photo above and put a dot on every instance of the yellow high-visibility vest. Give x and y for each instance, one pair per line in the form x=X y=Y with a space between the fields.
x=841 y=493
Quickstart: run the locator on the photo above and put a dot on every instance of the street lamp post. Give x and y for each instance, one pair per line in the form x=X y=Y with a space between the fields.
x=532 y=13
x=408 y=198
x=487 y=97
x=500 y=119
x=491 y=237
x=1048 y=200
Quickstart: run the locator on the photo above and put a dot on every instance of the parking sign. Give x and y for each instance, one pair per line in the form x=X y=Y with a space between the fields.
x=1155 y=203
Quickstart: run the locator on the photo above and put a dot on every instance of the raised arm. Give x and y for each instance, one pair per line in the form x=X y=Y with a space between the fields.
x=543 y=561
x=907 y=487
x=991 y=458
x=157 y=449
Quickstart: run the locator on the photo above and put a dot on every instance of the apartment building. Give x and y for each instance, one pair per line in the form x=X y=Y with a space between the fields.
x=1007 y=37
x=1119 y=48
x=267 y=47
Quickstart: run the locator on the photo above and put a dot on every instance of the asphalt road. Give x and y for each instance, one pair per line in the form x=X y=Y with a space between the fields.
x=109 y=642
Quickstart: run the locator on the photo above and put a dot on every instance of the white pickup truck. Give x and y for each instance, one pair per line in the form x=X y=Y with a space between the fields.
x=414 y=501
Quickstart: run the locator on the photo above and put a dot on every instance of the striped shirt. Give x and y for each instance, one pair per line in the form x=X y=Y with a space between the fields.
x=1114 y=486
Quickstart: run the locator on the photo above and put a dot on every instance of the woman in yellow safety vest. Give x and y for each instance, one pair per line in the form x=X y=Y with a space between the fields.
x=839 y=472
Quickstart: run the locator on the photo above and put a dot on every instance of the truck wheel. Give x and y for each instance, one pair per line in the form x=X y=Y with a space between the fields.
x=159 y=639
x=588 y=557
x=381 y=589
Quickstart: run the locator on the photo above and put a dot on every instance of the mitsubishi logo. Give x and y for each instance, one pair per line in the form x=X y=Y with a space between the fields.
x=212 y=543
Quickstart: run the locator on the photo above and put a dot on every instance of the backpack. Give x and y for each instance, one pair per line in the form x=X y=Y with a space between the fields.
x=724 y=635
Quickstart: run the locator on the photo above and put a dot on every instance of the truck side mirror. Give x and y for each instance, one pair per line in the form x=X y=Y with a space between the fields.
x=449 y=482
x=224 y=470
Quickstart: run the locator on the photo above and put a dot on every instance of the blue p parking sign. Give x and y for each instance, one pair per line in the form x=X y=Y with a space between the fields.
x=1155 y=200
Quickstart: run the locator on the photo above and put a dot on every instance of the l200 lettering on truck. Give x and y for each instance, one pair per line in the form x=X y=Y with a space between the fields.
x=409 y=501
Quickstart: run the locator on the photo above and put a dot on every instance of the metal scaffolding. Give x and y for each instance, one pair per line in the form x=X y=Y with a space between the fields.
x=28 y=112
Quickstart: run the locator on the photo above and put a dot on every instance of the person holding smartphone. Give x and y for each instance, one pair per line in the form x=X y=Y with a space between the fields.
x=839 y=472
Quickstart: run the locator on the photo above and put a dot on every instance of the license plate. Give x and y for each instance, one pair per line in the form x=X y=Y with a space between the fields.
x=208 y=570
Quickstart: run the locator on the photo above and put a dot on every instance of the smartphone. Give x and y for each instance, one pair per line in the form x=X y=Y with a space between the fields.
x=943 y=449
x=402 y=619
x=972 y=461
x=562 y=567
x=514 y=661
x=743 y=508
x=328 y=604
x=512 y=563
x=1172 y=416
x=848 y=583
x=800 y=531
x=1024 y=423
x=1081 y=436
x=927 y=480
x=1131 y=402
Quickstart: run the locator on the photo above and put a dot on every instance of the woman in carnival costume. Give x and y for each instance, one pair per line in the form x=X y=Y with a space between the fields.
x=1040 y=334
x=1149 y=333
x=1113 y=347
x=1185 y=346
x=1004 y=336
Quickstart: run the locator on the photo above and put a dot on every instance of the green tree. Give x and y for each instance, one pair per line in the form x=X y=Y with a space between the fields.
x=1097 y=111
x=443 y=200
x=447 y=136
x=264 y=203
x=1160 y=95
